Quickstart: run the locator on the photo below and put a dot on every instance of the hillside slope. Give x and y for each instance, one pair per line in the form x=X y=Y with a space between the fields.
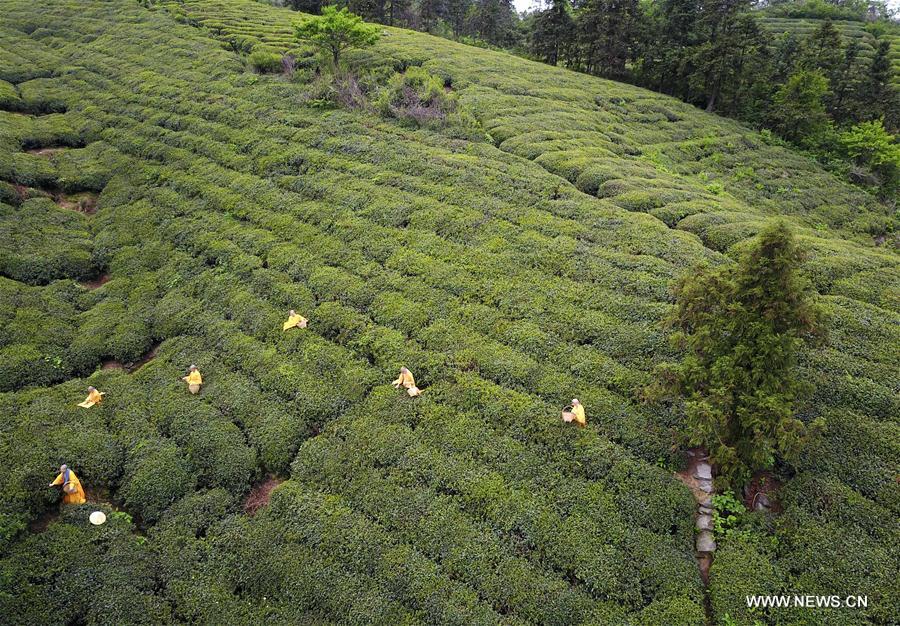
x=850 y=30
x=509 y=274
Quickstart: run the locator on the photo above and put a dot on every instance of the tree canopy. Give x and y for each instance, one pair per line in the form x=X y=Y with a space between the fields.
x=741 y=327
x=336 y=31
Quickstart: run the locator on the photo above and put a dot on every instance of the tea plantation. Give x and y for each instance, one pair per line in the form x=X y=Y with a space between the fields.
x=161 y=204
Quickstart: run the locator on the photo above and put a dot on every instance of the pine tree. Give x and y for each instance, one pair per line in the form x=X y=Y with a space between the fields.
x=878 y=96
x=787 y=54
x=429 y=13
x=493 y=21
x=823 y=51
x=552 y=32
x=668 y=47
x=798 y=110
x=846 y=86
x=607 y=33
x=742 y=327
x=736 y=53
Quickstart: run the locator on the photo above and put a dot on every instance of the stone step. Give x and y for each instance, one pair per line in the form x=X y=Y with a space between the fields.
x=705 y=542
x=704 y=522
x=703 y=471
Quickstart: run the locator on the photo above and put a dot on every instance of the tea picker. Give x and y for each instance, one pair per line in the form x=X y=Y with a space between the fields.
x=295 y=320
x=93 y=397
x=408 y=382
x=71 y=486
x=574 y=413
x=193 y=379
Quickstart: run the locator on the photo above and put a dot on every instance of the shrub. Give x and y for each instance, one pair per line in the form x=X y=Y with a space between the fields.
x=742 y=568
x=266 y=62
x=416 y=96
x=156 y=475
x=23 y=365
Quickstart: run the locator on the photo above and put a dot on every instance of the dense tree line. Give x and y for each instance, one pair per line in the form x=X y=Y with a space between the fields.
x=493 y=22
x=812 y=90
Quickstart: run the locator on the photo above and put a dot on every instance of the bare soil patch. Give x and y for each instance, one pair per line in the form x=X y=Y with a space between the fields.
x=84 y=202
x=260 y=493
x=763 y=484
x=113 y=364
x=97 y=282
x=40 y=524
x=48 y=151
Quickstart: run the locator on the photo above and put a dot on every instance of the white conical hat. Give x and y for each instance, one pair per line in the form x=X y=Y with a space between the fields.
x=97 y=518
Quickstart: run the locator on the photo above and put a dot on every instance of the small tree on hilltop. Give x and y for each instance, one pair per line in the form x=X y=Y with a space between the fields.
x=336 y=31
x=742 y=327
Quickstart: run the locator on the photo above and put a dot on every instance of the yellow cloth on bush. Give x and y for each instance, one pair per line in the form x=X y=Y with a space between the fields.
x=94 y=397
x=406 y=379
x=578 y=410
x=194 y=378
x=294 y=321
x=72 y=498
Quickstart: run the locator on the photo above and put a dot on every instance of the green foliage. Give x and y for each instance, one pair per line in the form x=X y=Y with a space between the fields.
x=743 y=567
x=336 y=31
x=742 y=327
x=798 y=111
x=869 y=145
x=156 y=475
x=60 y=248
x=416 y=96
x=265 y=62
x=729 y=516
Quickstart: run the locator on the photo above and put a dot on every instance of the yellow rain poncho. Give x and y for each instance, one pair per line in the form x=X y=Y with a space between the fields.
x=295 y=320
x=76 y=497
x=194 y=380
x=578 y=411
x=408 y=382
x=405 y=379
x=94 y=397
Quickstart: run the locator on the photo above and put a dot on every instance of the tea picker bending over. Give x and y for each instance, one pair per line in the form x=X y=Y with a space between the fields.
x=93 y=397
x=295 y=320
x=71 y=486
x=193 y=379
x=407 y=381
x=574 y=413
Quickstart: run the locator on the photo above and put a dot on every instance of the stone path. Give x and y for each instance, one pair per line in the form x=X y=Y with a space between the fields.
x=699 y=478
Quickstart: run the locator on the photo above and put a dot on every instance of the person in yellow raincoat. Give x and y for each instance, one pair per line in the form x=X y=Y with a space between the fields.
x=407 y=381
x=93 y=397
x=295 y=320
x=73 y=493
x=576 y=414
x=193 y=379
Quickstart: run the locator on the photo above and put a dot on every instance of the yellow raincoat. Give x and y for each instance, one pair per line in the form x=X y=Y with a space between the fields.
x=194 y=378
x=406 y=379
x=295 y=321
x=94 y=397
x=578 y=411
x=72 y=498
